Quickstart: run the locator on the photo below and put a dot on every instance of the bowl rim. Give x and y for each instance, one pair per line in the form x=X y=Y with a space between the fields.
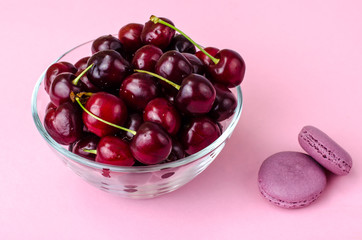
x=128 y=169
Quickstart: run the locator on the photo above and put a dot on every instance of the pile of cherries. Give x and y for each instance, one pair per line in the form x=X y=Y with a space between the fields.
x=146 y=97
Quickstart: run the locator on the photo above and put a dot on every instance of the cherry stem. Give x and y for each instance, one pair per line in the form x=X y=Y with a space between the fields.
x=155 y=20
x=159 y=77
x=76 y=80
x=93 y=151
x=102 y=120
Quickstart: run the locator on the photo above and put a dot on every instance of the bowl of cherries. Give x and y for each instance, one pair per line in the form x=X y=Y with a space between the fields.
x=142 y=112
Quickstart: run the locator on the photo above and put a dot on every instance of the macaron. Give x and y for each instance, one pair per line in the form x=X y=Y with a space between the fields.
x=291 y=179
x=324 y=150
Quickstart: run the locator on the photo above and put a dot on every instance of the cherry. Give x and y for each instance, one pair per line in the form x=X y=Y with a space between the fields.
x=107 y=42
x=115 y=151
x=130 y=36
x=81 y=65
x=197 y=65
x=109 y=69
x=195 y=96
x=137 y=90
x=54 y=70
x=173 y=66
x=204 y=58
x=199 y=134
x=181 y=44
x=227 y=67
x=177 y=152
x=224 y=105
x=133 y=123
x=50 y=106
x=64 y=123
x=146 y=57
x=151 y=144
x=157 y=34
x=107 y=107
x=160 y=111
x=87 y=142
x=61 y=88
x=229 y=70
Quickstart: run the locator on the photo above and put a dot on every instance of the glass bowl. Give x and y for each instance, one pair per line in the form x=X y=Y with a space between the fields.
x=131 y=182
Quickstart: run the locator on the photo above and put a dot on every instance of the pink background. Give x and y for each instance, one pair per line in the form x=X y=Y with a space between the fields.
x=304 y=66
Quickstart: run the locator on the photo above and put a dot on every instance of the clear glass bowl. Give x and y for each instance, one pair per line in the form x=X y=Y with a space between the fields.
x=130 y=182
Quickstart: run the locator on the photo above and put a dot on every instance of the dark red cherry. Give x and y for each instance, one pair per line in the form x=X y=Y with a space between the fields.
x=196 y=95
x=157 y=34
x=181 y=44
x=177 y=152
x=146 y=57
x=113 y=150
x=107 y=42
x=130 y=36
x=134 y=121
x=107 y=107
x=54 y=70
x=50 y=106
x=173 y=66
x=205 y=59
x=137 y=90
x=81 y=65
x=199 y=134
x=224 y=105
x=229 y=70
x=61 y=88
x=109 y=69
x=197 y=66
x=161 y=111
x=87 y=142
x=151 y=144
x=64 y=124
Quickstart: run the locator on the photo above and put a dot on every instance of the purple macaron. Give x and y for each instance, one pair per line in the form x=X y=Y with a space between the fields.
x=324 y=150
x=291 y=179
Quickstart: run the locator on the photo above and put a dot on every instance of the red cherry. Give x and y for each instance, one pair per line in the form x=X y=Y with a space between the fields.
x=173 y=66
x=229 y=70
x=197 y=65
x=107 y=107
x=199 y=134
x=64 y=124
x=146 y=57
x=107 y=42
x=113 y=150
x=88 y=141
x=160 y=111
x=54 y=70
x=151 y=144
x=61 y=88
x=157 y=34
x=109 y=69
x=130 y=36
x=224 y=105
x=137 y=90
x=196 y=95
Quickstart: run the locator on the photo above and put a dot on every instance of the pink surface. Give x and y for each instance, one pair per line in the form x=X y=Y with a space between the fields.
x=304 y=67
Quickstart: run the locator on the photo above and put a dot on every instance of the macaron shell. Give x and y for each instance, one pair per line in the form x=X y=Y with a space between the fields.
x=291 y=179
x=324 y=150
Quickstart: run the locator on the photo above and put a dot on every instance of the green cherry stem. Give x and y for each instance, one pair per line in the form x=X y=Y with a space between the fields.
x=102 y=120
x=159 y=77
x=155 y=20
x=92 y=151
x=76 y=80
